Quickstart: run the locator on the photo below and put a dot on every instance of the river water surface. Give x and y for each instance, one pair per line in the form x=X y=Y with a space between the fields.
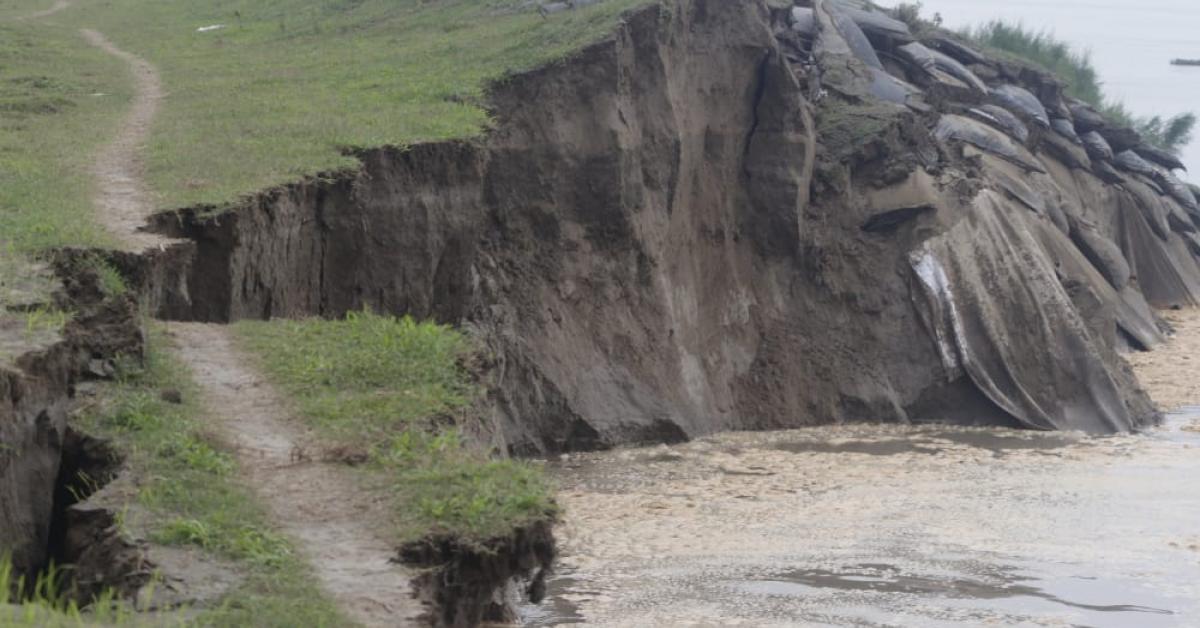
x=891 y=526
x=1131 y=43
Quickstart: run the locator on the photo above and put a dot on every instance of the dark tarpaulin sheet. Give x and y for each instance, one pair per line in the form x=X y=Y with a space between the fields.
x=997 y=311
x=1126 y=307
x=1167 y=274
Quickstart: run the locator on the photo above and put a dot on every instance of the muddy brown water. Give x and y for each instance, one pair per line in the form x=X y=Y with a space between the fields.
x=884 y=526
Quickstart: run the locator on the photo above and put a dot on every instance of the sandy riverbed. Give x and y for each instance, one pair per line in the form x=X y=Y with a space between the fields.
x=1171 y=374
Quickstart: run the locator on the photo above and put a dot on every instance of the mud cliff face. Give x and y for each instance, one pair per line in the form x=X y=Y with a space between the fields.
x=728 y=217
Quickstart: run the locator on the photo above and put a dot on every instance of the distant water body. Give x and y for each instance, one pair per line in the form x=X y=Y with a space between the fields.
x=1131 y=42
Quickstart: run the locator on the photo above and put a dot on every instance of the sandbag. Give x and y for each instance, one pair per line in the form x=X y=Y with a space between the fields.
x=963 y=129
x=854 y=37
x=888 y=88
x=1177 y=189
x=959 y=51
x=1096 y=146
x=1066 y=151
x=876 y=24
x=1159 y=156
x=1130 y=161
x=1103 y=253
x=1086 y=118
x=1004 y=120
x=1121 y=138
x=1020 y=100
x=1106 y=172
x=958 y=71
x=1063 y=127
x=918 y=56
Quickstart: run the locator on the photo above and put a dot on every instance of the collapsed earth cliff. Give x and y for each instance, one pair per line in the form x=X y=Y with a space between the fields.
x=727 y=215
x=730 y=215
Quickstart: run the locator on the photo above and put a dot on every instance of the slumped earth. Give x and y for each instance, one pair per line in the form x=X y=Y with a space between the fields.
x=891 y=526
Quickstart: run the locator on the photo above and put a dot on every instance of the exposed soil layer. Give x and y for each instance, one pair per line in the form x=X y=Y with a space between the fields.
x=471 y=584
x=340 y=528
x=702 y=224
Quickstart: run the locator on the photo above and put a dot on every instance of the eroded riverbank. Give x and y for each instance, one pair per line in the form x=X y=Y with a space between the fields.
x=891 y=526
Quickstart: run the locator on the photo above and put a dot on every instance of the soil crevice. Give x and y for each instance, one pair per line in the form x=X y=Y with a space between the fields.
x=337 y=526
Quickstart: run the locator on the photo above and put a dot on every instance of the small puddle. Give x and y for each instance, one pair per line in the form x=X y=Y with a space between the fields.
x=557 y=609
x=1180 y=426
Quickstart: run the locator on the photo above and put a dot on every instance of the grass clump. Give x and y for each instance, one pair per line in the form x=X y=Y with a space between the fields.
x=394 y=388
x=41 y=604
x=1083 y=81
x=188 y=495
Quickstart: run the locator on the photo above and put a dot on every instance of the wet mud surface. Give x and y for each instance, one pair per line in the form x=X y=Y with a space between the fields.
x=884 y=526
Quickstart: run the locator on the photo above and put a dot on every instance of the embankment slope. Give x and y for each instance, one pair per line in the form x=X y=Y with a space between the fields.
x=717 y=220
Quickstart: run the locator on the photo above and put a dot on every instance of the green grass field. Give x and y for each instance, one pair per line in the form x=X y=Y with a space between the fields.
x=285 y=87
x=59 y=101
x=393 y=389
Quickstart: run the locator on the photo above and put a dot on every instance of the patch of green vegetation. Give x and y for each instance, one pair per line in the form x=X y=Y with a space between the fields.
x=41 y=604
x=394 y=389
x=844 y=129
x=59 y=101
x=1083 y=82
x=283 y=88
x=29 y=318
x=189 y=496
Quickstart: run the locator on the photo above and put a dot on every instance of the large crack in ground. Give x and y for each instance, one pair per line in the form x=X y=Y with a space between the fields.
x=337 y=526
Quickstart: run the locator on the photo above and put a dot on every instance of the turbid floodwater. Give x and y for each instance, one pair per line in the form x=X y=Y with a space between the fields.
x=1131 y=44
x=891 y=526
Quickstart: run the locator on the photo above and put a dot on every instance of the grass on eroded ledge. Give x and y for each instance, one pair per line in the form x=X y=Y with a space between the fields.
x=395 y=389
x=188 y=494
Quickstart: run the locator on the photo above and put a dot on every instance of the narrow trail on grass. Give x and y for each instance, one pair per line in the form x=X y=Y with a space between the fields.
x=336 y=524
x=54 y=8
x=337 y=527
x=122 y=198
